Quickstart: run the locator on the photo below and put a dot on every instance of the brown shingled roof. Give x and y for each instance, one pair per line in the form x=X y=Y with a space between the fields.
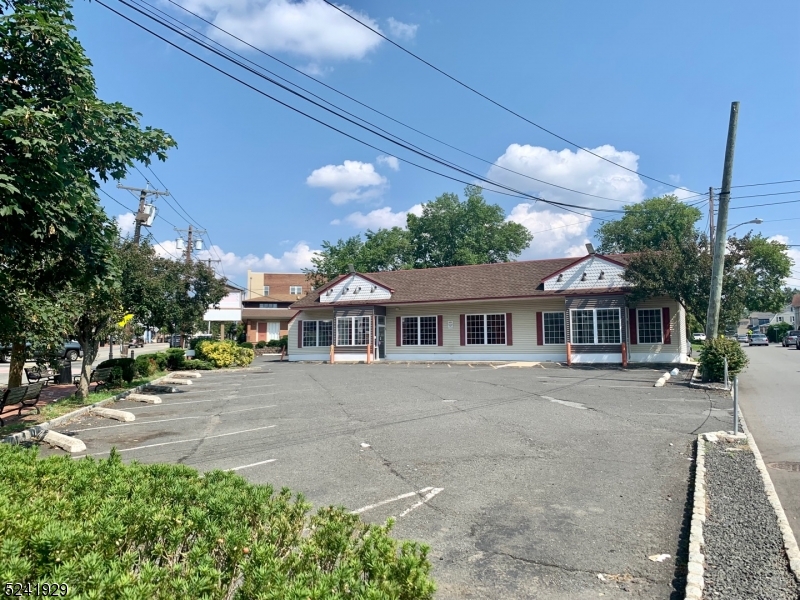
x=470 y=282
x=796 y=300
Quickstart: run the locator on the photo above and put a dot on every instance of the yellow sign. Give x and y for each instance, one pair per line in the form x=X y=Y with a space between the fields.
x=125 y=320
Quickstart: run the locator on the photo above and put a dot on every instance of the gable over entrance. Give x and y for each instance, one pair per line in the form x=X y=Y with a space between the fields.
x=593 y=272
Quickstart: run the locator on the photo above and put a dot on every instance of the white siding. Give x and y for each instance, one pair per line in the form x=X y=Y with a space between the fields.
x=675 y=351
x=523 y=329
x=592 y=266
x=313 y=352
x=356 y=289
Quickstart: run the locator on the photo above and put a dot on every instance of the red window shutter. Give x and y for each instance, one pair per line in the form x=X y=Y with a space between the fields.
x=439 y=331
x=462 y=325
x=632 y=326
x=665 y=325
x=509 y=331
x=398 y=333
x=299 y=334
x=539 y=330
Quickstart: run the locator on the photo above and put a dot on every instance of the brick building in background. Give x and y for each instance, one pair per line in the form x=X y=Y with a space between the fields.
x=265 y=309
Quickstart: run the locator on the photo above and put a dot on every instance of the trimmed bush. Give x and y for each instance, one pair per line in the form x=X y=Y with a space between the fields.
x=160 y=359
x=198 y=365
x=712 y=358
x=261 y=344
x=113 y=530
x=246 y=345
x=283 y=342
x=176 y=359
x=224 y=354
x=145 y=365
x=127 y=368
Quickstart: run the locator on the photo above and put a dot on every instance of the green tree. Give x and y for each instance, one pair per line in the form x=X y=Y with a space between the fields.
x=753 y=275
x=57 y=142
x=648 y=225
x=777 y=331
x=450 y=232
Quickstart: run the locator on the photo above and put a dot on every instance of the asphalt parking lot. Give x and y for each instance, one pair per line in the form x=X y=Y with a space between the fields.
x=538 y=482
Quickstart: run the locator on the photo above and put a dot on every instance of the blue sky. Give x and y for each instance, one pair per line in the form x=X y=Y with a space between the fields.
x=648 y=85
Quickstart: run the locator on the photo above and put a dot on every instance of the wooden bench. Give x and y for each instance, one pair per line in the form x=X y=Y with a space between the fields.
x=98 y=376
x=26 y=396
x=35 y=374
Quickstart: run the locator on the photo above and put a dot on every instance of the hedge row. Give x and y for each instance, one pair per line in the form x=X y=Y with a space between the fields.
x=110 y=530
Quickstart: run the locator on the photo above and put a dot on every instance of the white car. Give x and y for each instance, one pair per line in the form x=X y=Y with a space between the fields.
x=699 y=337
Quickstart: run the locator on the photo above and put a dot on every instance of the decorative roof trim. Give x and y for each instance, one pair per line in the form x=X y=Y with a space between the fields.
x=579 y=261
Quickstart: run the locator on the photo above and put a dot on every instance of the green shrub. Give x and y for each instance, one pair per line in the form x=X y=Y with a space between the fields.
x=160 y=359
x=176 y=357
x=145 y=365
x=127 y=368
x=198 y=365
x=246 y=345
x=777 y=331
x=283 y=342
x=261 y=344
x=224 y=354
x=244 y=356
x=712 y=358
x=113 y=530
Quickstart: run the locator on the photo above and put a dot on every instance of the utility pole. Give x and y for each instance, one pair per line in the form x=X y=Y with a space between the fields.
x=191 y=244
x=711 y=218
x=717 y=270
x=146 y=213
x=189 y=247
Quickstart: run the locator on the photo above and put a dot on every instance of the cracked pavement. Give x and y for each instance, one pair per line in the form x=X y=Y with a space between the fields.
x=525 y=482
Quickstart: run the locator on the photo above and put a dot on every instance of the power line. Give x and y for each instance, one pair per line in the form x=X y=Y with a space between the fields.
x=517 y=193
x=762 y=195
x=485 y=97
x=765 y=204
x=765 y=183
x=457 y=149
x=117 y=201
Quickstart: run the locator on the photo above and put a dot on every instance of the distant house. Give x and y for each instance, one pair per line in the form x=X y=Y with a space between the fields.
x=760 y=321
x=265 y=310
x=229 y=309
x=796 y=309
x=564 y=309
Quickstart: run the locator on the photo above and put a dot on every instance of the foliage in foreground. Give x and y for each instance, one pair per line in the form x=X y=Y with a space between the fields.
x=111 y=530
x=713 y=354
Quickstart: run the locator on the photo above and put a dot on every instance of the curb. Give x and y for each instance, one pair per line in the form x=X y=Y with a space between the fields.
x=696 y=563
x=789 y=541
x=37 y=432
x=694 y=382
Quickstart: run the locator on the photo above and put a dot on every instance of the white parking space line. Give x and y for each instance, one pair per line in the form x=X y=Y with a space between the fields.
x=208 y=437
x=427 y=497
x=396 y=498
x=255 y=464
x=577 y=405
x=227 y=412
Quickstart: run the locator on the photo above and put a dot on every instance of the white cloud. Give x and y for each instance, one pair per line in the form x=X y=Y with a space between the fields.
x=126 y=223
x=233 y=265
x=555 y=233
x=381 y=217
x=577 y=250
x=390 y=161
x=398 y=29
x=352 y=180
x=307 y=28
x=575 y=170
x=683 y=193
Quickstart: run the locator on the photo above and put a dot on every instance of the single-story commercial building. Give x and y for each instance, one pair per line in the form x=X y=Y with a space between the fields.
x=563 y=309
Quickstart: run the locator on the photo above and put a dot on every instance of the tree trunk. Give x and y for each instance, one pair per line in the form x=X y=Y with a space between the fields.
x=90 y=348
x=17 y=363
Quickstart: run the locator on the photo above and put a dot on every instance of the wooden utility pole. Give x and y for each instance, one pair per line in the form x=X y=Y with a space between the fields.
x=189 y=246
x=142 y=217
x=717 y=270
x=711 y=217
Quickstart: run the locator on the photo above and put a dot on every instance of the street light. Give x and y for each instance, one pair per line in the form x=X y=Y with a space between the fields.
x=757 y=221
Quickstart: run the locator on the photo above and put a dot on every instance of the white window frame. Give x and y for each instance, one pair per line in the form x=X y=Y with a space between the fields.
x=316 y=322
x=419 y=330
x=266 y=291
x=485 y=329
x=594 y=323
x=353 y=329
x=292 y=289
x=544 y=328
x=661 y=325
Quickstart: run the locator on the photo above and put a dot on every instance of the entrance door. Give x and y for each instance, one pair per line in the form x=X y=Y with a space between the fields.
x=261 y=332
x=381 y=337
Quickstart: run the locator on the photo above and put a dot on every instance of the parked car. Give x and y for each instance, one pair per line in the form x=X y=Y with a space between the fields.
x=70 y=350
x=699 y=337
x=742 y=337
x=791 y=338
x=759 y=339
x=136 y=342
